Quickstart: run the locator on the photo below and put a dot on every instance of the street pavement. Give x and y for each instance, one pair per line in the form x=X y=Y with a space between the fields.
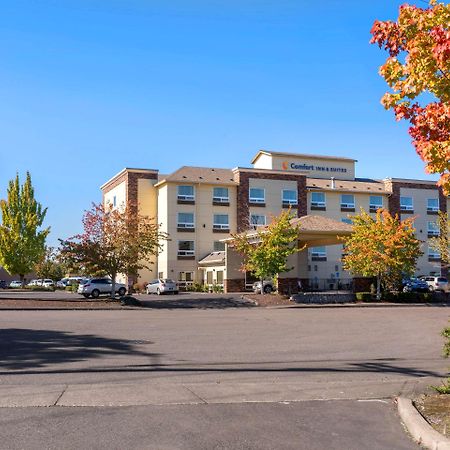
x=169 y=370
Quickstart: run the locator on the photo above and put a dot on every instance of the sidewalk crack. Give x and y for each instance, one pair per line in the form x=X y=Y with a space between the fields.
x=60 y=395
x=196 y=395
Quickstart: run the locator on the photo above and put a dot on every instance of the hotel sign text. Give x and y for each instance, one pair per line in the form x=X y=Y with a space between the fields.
x=295 y=166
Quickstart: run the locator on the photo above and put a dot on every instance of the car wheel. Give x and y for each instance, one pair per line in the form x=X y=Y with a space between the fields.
x=158 y=291
x=176 y=293
x=122 y=291
x=86 y=295
x=267 y=289
x=95 y=293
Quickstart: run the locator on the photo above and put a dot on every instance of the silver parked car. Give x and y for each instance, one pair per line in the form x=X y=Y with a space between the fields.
x=98 y=286
x=436 y=283
x=268 y=287
x=162 y=286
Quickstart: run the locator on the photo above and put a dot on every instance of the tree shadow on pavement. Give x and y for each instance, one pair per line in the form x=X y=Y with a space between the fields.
x=33 y=349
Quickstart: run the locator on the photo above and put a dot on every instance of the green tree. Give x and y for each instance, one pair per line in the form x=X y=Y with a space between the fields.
x=50 y=266
x=265 y=251
x=114 y=241
x=22 y=240
x=383 y=247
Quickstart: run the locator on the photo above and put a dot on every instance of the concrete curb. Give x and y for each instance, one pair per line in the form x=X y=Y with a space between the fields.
x=419 y=428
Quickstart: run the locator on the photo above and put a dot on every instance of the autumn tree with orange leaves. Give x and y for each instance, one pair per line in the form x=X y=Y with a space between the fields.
x=383 y=247
x=418 y=44
x=114 y=241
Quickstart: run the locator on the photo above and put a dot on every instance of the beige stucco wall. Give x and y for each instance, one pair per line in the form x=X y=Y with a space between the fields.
x=148 y=206
x=331 y=167
x=203 y=236
x=120 y=192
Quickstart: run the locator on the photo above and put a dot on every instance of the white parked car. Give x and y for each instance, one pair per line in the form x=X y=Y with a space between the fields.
x=162 y=286
x=15 y=284
x=96 y=286
x=436 y=283
x=48 y=283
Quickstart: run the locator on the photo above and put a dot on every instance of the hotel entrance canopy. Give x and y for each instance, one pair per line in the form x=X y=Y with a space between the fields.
x=313 y=231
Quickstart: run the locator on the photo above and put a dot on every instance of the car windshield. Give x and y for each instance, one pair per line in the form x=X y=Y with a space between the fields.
x=167 y=280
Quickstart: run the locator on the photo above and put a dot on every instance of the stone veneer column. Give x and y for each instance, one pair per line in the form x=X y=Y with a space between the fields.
x=394 y=200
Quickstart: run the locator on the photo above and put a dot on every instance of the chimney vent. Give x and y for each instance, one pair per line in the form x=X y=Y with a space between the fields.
x=333 y=183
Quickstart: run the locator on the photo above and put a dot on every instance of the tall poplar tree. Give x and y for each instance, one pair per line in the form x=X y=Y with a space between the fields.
x=22 y=238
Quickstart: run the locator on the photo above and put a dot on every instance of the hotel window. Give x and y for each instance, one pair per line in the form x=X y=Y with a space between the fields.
x=219 y=246
x=185 y=221
x=318 y=200
x=433 y=229
x=289 y=197
x=186 y=193
x=432 y=205
x=406 y=204
x=433 y=254
x=219 y=277
x=185 y=277
x=209 y=277
x=186 y=248
x=257 y=195
x=347 y=201
x=257 y=220
x=347 y=220
x=318 y=253
x=375 y=203
x=114 y=201
x=221 y=222
x=220 y=195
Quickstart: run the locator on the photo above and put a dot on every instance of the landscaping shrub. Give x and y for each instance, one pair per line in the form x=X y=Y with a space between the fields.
x=40 y=288
x=364 y=297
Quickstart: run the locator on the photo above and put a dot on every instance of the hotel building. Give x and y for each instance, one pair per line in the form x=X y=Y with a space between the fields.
x=200 y=207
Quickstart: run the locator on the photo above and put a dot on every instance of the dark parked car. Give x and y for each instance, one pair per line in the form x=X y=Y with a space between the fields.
x=415 y=285
x=3 y=284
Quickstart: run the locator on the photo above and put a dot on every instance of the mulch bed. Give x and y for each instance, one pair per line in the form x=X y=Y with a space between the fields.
x=269 y=299
x=436 y=410
x=57 y=304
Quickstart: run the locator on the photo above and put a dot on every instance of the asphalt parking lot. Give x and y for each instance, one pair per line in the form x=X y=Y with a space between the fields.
x=325 y=375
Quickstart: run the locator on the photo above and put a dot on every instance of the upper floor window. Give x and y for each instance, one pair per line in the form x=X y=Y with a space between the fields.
x=348 y=201
x=433 y=254
x=432 y=205
x=186 y=193
x=220 y=195
x=257 y=195
x=406 y=204
x=318 y=253
x=185 y=220
x=289 y=197
x=375 y=202
x=318 y=200
x=433 y=229
x=221 y=222
x=257 y=220
x=186 y=248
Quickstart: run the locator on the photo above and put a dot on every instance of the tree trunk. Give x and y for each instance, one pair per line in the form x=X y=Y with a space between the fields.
x=22 y=276
x=378 y=287
x=262 y=286
x=113 y=286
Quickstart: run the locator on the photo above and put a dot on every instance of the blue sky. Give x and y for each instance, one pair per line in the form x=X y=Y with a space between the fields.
x=88 y=87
